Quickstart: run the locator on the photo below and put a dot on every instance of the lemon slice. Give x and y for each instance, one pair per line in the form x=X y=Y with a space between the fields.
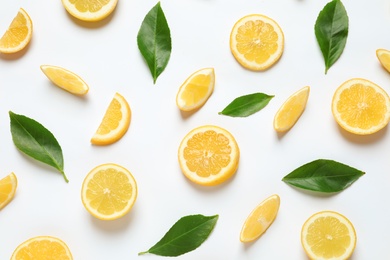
x=208 y=155
x=291 y=110
x=257 y=42
x=90 y=10
x=65 y=79
x=328 y=235
x=115 y=122
x=109 y=191
x=361 y=107
x=42 y=247
x=8 y=187
x=18 y=34
x=384 y=58
x=196 y=89
x=260 y=219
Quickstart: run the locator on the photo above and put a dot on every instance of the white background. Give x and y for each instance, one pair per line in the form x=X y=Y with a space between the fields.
x=106 y=56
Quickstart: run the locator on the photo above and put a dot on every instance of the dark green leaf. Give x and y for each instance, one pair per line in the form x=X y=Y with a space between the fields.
x=187 y=234
x=331 y=31
x=246 y=105
x=33 y=139
x=154 y=41
x=323 y=176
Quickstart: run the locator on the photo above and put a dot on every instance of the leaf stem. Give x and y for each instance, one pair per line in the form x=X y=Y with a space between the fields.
x=143 y=253
x=66 y=178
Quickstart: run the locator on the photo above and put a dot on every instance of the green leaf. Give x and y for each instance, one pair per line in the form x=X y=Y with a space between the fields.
x=154 y=41
x=331 y=30
x=323 y=176
x=187 y=234
x=246 y=105
x=33 y=139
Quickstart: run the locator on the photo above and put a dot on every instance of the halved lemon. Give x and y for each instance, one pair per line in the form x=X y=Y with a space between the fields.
x=328 y=235
x=42 y=248
x=208 y=155
x=196 y=89
x=361 y=107
x=260 y=219
x=291 y=110
x=65 y=79
x=383 y=56
x=18 y=34
x=256 y=42
x=115 y=123
x=8 y=187
x=90 y=10
x=109 y=191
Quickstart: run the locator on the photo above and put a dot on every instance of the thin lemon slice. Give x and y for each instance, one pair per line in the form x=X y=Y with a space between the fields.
x=18 y=34
x=65 y=79
x=109 y=191
x=90 y=10
x=361 y=107
x=8 y=187
x=42 y=248
x=291 y=110
x=328 y=235
x=260 y=219
x=384 y=58
x=208 y=155
x=115 y=122
x=196 y=89
x=257 y=42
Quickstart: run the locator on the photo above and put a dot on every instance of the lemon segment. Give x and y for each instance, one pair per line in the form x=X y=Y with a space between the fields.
x=384 y=58
x=361 y=107
x=260 y=219
x=328 y=235
x=208 y=155
x=196 y=90
x=256 y=42
x=90 y=10
x=8 y=187
x=115 y=122
x=291 y=110
x=65 y=79
x=109 y=191
x=42 y=248
x=18 y=34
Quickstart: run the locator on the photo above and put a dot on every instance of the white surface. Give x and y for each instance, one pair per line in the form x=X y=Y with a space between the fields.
x=106 y=56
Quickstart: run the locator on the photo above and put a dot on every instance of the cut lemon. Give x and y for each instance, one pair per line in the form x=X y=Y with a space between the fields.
x=289 y=113
x=384 y=58
x=196 y=89
x=208 y=155
x=42 y=248
x=257 y=42
x=260 y=219
x=90 y=10
x=8 y=187
x=115 y=122
x=328 y=235
x=361 y=107
x=65 y=79
x=18 y=34
x=109 y=191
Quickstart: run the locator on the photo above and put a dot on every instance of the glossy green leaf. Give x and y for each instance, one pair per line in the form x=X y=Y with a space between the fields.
x=331 y=30
x=246 y=105
x=187 y=234
x=154 y=41
x=323 y=176
x=33 y=139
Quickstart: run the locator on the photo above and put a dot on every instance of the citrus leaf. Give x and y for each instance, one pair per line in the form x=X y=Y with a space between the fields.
x=187 y=234
x=154 y=41
x=33 y=139
x=323 y=176
x=331 y=30
x=246 y=105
